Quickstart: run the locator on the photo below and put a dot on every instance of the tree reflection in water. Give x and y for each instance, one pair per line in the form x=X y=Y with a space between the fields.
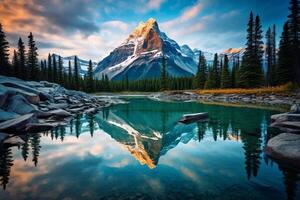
x=253 y=134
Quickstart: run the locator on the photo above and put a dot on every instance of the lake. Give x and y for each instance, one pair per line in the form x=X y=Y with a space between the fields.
x=139 y=151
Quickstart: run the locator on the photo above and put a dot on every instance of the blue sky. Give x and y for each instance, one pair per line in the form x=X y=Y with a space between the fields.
x=93 y=28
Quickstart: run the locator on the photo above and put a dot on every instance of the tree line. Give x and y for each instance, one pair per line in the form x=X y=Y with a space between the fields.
x=283 y=64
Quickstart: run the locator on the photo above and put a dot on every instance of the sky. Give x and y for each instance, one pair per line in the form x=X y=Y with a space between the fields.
x=91 y=29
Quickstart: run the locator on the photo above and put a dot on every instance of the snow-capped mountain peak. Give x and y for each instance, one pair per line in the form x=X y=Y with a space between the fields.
x=140 y=56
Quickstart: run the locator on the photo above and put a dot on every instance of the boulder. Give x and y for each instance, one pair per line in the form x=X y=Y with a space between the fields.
x=285 y=117
x=295 y=108
x=3 y=95
x=38 y=127
x=58 y=113
x=31 y=97
x=42 y=95
x=3 y=136
x=14 y=141
x=7 y=115
x=285 y=148
x=58 y=105
x=288 y=126
x=91 y=111
x=18 y=124
x=18 y=104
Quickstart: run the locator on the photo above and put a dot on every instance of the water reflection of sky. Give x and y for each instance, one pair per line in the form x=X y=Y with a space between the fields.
x=99 y=164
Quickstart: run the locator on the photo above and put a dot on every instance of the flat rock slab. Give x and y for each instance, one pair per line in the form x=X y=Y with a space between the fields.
x=3 y=136
x=58 y=113
x=14 y=141
x=286 y=117
x=38 y=127
x=18 y=124
x=4 y=116
x=285 y=148
x=18 y=104
x=287 y=126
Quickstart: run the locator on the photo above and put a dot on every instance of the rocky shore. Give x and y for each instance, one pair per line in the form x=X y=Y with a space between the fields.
x=285 y=147
x=272 y=100
x=28 y=107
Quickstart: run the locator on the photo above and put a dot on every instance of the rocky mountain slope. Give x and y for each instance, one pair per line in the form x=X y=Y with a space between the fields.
x=83 y=64
x=140 y=56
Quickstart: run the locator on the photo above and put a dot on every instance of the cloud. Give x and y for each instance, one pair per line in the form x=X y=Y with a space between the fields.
x=116 y=25
x=154 y=4
x=65 y=28
x=188 y=14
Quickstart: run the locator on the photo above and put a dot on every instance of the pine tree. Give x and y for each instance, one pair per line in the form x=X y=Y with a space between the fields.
x=274 y=48
x=32 y=60
x=70 y=78
x=50 y=70
x=250 y=74
x=211 y=80
x=216 y=72
x=200 y=77
x=54 y=70
x=294 y=26
x=90 y=78
x=22 y=60
x=259 y=53
x=164 y=76
x=15 y=64
x=4 y=53
x=284 y=70
x=225 y=76
x=60 y=70
x=269 y=57
x=42 y=68
x=76 y=73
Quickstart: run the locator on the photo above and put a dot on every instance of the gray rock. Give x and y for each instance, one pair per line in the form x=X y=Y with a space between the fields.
x=3 y=95
x=18 y=104
x=91 y=111
x=287 y=126
x=58 y=113
x=38 y=127
x=31 y=97
x=58 y=106
x=29 y=89
x=4 y=116
x=286 y=148
x=295 y=108
x=3 y=136
x=285 y=117
x=14 y=141
x=18 y=124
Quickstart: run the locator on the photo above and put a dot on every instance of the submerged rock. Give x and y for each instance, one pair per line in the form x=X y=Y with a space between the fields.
x=18 y=124
x=285 y=148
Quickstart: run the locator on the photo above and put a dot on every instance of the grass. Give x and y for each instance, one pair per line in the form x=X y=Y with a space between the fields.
x=286 y=89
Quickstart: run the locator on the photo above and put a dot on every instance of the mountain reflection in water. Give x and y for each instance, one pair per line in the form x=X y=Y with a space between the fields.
x=149 y=132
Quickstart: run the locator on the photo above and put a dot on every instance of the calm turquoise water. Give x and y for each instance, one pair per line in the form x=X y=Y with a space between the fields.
x=139 y=151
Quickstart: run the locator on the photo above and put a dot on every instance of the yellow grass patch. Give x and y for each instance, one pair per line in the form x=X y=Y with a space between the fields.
x=282 y=89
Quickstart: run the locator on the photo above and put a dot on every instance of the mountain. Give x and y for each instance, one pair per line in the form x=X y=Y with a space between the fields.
x=83 y=64
x=140 y=56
